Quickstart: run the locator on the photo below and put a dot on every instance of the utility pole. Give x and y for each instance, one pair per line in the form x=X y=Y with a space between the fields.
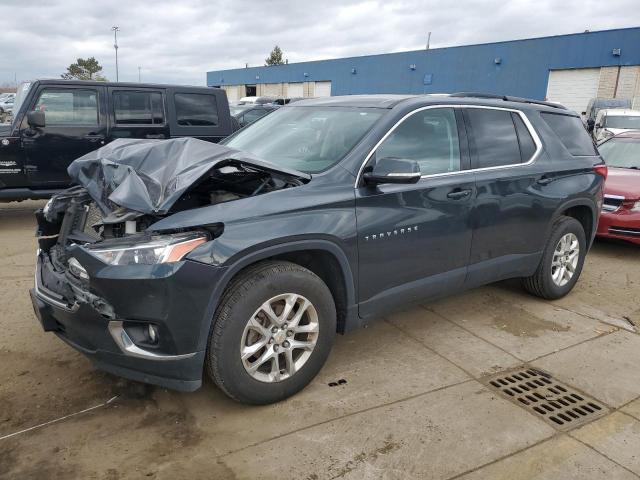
x=115 y=45
x=428 y=40
x=139 y=77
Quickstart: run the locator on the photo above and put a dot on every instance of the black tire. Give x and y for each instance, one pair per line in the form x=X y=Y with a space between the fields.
x=541 y=282
x=241 y=300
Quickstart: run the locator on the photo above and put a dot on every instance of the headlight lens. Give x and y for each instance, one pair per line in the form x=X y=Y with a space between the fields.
x=157 y=249
x=77 y=269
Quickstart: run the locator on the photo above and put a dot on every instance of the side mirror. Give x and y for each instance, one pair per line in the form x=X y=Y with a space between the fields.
x=393 y=170
x=598 y=125
x=35 y=119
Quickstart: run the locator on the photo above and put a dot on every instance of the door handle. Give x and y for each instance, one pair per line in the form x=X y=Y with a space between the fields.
x=156 y=136
x=459 y=194
x=545 y=180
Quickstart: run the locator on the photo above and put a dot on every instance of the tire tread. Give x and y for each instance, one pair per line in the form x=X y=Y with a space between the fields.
x=535 y=284
x=234 y=293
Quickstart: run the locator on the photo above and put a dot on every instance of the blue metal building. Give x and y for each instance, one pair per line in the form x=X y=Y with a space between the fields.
x=519 y=67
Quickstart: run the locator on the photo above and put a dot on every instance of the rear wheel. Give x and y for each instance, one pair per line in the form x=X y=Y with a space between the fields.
x=562 y=260
x=272 y=333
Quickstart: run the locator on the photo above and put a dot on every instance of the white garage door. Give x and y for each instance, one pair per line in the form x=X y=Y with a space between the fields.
x=573 y=88
x=232 y=94
x=322 y=89
x=295 y=90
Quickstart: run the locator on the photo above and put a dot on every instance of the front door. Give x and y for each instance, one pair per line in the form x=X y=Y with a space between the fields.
x=74 y=126
x=414 y=240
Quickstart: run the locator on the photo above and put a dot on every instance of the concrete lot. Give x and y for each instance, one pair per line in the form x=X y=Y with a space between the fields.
x=416 y=402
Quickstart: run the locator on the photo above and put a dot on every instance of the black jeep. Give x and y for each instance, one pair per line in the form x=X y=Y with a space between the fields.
x=243 y=259
x=57 y=121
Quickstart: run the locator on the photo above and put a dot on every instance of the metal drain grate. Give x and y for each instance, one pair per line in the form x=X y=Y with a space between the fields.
x=540 y=393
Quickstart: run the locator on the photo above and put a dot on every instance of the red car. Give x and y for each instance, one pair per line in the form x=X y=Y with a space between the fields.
x=620 y=217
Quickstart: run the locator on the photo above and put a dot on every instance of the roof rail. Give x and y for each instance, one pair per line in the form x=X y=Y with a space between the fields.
x=507 y=98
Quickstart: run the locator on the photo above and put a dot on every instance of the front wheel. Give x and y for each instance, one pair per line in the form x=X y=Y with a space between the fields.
x=272 y=333
x=562 y=261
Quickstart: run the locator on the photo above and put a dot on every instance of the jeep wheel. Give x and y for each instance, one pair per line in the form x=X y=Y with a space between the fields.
x=272 y=333
x=562 y=261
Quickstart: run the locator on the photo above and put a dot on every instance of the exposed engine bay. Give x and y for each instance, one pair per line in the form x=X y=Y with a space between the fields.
x=73 y=216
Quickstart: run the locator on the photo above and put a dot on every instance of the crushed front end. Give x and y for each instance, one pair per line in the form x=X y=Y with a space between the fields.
x=128 y=295
x=107 y=290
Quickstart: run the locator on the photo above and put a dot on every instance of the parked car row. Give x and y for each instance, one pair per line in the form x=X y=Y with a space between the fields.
x=248 y=113
x=615 y=128
x=249 y=109
x=267 y=100
x=606 y=117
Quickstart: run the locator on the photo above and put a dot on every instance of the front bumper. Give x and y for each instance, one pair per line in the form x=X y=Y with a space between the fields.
x=175 y=298
x=621 y=225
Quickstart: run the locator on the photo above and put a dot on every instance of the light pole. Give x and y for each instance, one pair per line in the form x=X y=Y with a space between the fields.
x=139 y=78
x=115 y=45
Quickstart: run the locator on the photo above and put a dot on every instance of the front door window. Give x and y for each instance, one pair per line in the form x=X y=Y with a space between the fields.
x=72 y=107
x=430 y=137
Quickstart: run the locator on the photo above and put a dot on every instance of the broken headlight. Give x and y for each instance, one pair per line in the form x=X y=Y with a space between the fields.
x=151 y=251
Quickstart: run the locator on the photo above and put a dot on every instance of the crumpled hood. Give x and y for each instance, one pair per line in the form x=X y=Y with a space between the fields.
x=149 y=176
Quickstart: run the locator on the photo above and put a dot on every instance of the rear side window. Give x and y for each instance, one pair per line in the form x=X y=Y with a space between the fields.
x=571 y=133
x=138 y=108
x=196 y=109
x=495 y=137
x=527 y=145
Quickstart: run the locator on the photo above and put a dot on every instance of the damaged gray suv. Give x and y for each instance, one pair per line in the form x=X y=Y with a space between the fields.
x=178 y=257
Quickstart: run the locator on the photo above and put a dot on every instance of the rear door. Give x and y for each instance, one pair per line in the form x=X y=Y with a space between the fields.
x=510 y=217
x=137 y=113
x=75 y=125
x=414 y=240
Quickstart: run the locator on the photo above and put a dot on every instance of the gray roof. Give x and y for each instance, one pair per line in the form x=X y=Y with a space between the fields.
x=366 y=101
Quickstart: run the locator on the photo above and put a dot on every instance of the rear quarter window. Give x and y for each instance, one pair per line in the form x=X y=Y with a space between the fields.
x=196 y=110
x=571 y=133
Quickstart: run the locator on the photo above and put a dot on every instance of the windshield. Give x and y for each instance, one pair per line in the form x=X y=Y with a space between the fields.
x=621 y=152
x=622 y=121
x=23 y=89
x=309 y=139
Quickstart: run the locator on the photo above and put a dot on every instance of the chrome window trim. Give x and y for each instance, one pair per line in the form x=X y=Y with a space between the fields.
x=527 y=123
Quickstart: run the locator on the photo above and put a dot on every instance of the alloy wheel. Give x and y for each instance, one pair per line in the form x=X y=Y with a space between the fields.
x=565 y=259
x=279 y=338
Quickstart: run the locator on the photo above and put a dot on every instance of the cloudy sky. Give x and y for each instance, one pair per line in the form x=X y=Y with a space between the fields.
x=177 y=41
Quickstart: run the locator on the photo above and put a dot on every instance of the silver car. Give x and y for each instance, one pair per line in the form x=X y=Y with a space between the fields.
x=6 y=104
